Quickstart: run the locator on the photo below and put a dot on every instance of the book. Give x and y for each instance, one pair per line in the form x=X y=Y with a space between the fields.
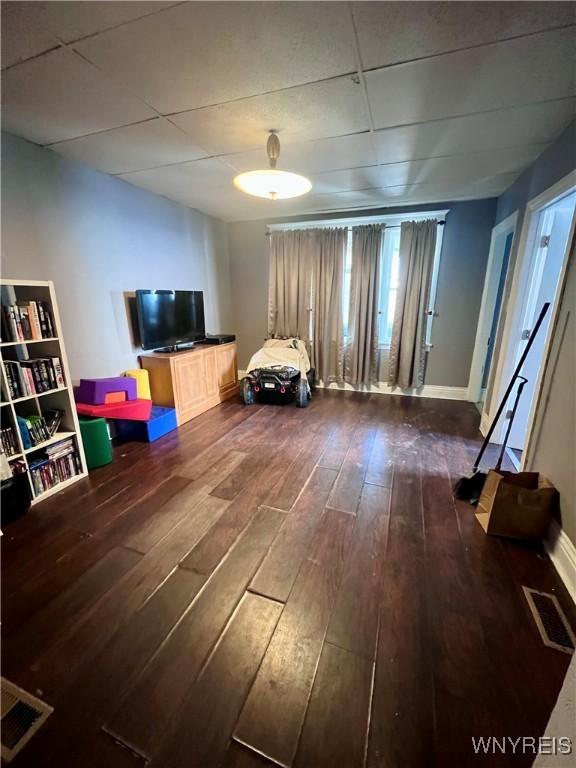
x=35 y=320
x=53 y=418
x=58 y=371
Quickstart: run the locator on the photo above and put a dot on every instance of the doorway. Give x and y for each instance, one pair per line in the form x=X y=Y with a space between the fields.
x=492 y=295
x=538 y=279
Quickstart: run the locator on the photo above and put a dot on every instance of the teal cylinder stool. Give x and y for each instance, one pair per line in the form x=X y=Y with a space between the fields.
x=96 y=441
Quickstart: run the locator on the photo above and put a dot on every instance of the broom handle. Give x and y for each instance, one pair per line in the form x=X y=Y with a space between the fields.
x=515 y=375
x=523 y=381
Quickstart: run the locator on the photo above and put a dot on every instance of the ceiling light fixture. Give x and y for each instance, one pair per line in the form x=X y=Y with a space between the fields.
x=271 y=183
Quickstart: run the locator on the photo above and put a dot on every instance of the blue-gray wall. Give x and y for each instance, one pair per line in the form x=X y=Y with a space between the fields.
x=462 y=269
x=97 y=237
x=553 y=164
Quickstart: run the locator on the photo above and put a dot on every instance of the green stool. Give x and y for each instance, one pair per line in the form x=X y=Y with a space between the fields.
x=96 y=440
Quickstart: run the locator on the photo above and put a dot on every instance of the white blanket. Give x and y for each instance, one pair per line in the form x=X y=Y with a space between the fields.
x=290 y=352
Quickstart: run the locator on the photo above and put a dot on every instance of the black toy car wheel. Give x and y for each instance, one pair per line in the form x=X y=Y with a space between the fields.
x=302 y=393
x=311 y=376
x=247 y=392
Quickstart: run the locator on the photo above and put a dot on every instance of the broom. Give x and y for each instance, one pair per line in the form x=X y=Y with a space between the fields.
x=469 y=488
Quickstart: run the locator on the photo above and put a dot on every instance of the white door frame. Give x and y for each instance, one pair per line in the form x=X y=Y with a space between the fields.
x=533 y=208
x=493 y=271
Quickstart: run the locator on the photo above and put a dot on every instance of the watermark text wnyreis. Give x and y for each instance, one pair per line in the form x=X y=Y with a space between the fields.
x=522 y=745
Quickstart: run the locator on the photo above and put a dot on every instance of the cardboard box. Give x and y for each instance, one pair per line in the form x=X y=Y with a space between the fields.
x=516 y=505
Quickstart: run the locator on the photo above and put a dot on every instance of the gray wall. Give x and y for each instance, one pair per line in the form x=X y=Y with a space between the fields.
x=462 y=268
x=97 y=237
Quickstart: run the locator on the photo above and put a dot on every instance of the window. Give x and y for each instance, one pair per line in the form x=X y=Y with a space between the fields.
x=389 y=267
x=346 y=284
x=389 y=264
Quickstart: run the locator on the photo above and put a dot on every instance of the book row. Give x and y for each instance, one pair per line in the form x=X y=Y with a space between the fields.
x=35 y=429
x=9 y=442
x=60 y=463
x=32 y=377
x=27 y=321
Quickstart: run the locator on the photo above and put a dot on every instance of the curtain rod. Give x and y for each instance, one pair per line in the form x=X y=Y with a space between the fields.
x=392 y=226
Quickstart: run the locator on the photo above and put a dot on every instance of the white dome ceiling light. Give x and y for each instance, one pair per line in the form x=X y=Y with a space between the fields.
x=271 y=183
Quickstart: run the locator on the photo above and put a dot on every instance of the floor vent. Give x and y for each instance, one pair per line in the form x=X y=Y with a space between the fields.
x=22 y=715
x=550 y=620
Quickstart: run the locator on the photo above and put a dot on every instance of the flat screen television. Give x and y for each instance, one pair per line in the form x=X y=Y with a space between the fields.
x=169 y=318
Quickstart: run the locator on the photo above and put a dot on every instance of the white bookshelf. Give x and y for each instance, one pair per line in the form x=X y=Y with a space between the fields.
x=61 y=398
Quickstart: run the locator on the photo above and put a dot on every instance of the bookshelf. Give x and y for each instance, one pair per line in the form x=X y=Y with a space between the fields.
x=59 y=398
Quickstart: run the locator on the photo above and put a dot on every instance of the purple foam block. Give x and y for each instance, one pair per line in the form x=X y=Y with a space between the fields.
x=94 y=391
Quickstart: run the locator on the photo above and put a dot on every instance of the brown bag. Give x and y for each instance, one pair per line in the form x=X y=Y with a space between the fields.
x=516 y=505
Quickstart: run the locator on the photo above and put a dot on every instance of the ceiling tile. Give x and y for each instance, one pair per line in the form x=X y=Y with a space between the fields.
x=314 y=156
x=180 y=180
x=530 y=124
x=73 y=20
x=461 y=169
x=135 y=147
x=320 y=110
x=24 y=33
x=447 y=190
x=502 y=75
x=59 y=96
x=29 y=28
x=228 y=203
x=198 y=54
x=395 y=32
x=350 y=179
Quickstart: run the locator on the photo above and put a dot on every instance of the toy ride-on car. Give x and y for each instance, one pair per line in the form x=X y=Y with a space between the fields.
x=280 y=367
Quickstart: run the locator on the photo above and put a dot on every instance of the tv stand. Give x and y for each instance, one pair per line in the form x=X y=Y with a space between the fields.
x=192 y=380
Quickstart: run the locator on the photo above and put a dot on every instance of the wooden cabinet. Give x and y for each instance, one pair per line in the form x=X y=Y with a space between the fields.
x=227 y=367
x=192 y=381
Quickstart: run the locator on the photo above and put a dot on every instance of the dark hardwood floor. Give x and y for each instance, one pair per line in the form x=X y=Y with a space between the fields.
x=269 y=585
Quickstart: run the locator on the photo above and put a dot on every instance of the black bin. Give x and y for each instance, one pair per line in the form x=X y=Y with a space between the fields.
x=16 y=497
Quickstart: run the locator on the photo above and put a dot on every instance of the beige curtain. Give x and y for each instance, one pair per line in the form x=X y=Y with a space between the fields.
x=328 y=271
x=408 y=347
x=290 y=283
x=360 y=362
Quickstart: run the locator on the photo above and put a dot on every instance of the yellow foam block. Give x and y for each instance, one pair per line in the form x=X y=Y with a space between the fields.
x=142 y=382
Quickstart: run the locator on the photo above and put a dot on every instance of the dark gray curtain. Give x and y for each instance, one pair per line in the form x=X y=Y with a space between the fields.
x=306 y=271
x=362 y=342
x=408 y=348
x=290 y=283
x=327 y=276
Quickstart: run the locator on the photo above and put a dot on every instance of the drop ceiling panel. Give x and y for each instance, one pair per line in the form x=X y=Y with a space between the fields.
x=349 y=179
x=448 y=190
x=179 y=180
x=227 y=203
x=198 y=54
x=393 y=32
x=59 y=96
x=314 y=156
x=135 y=147
x=503 y=75
x=332 y=108
x=28 y=28
x=24 y=32
x=531 y=124
x=460 y=169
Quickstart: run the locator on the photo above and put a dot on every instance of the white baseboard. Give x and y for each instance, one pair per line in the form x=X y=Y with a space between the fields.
x=484 y=424
x=562 y=552
x=428 y=390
